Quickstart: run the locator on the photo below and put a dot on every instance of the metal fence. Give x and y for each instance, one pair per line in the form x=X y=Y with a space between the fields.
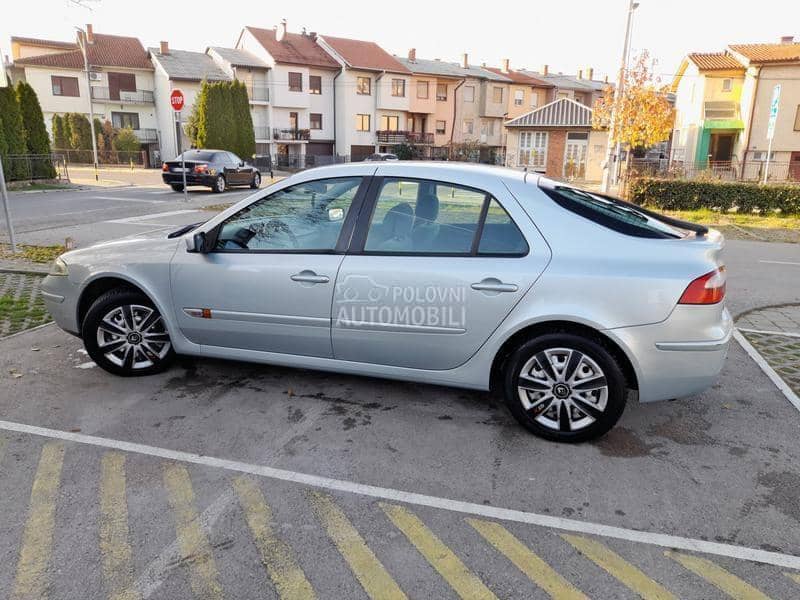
x=752 y=170
x=137 y=158
x=305 y=161
x=35 y=167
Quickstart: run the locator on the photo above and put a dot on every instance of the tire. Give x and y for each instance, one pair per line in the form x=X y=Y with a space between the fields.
x=142 y=349
x=256 y=182
x=219 y=185
x=176 y=187
x=550 y=404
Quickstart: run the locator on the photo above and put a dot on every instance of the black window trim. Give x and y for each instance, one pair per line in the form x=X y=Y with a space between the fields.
x=359 y=236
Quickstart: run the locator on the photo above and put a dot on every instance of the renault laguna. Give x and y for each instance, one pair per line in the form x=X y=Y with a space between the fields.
x=567 y=302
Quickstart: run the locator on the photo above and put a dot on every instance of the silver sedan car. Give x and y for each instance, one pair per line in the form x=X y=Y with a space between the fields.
x=567 y=302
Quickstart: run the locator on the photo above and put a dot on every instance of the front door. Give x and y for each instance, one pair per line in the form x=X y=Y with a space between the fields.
x=293 y=121
x=794 y=166
x=268 y=283
x=575 y=155
x=721 y=147
x=433 y=269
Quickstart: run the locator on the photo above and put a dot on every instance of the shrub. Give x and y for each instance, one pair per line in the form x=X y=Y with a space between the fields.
x=59 y=135
x=14 y=133
x=681 y=194
x=35 y=131
x=80 y=131
x=126 y=141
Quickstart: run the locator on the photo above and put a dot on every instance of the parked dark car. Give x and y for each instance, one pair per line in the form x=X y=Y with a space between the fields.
x=217 y=169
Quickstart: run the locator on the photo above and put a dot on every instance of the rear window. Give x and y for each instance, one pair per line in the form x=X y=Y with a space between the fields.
x=197 y=155
x=608 y=212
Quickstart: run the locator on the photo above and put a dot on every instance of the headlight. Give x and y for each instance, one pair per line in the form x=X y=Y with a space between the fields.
x=59 y=267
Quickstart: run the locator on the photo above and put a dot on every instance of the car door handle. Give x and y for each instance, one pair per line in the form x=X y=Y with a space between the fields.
x=309 y=277
x=494 y=285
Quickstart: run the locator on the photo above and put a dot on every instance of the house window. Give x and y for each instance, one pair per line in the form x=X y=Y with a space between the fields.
x=563 y=95
x=497 y=95
x=64 y=86
x=123 y=120
x=441 y=92
x=534 y=99
x=727 y=84
x=362 y=122
x=519 y=97
x=295 y=82
x=390 y=123
x=422 y=90
x=441 y=127
x=467 y=126
x=315 y=84
x=469 y=93
x=364 y=86
x=533 y=148
x=315 y=120
x=399 y=87
x=797 y=119
x=487 y=127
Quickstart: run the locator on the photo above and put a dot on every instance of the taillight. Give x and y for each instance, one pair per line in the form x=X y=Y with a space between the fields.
x=201 y=169
x=164 y=167
x=707 y=289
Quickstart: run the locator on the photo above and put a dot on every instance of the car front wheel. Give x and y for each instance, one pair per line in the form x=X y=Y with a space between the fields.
x=126 y=335
x=565 y=387
x=219 y=184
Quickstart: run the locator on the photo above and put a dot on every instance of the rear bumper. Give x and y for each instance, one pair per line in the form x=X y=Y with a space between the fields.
x=681 y=356
x=191 y=179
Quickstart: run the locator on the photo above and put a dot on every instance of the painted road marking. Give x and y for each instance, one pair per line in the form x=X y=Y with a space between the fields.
x=768 y=370
x=779 y=559
x=114 y=533
x=780 y=262
x=526 y=561
x=194 y=545
x=288 y=577
x=447 y=564
x=369 y=571
x=629 y=575
x=138 y=220
x=37 y=540
x=118 y=199
x=717 y=576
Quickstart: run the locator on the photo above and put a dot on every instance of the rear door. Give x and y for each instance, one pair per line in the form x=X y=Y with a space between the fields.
x=433 y=269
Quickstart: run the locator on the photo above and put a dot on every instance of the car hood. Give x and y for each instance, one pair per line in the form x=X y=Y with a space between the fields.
x=147 y=247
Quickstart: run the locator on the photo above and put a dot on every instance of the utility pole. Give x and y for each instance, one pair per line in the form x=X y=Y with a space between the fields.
x=82 y=38
x=7 y=209
x=632 y=6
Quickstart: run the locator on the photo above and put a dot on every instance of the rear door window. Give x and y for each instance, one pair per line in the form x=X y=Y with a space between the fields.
x=500 y=235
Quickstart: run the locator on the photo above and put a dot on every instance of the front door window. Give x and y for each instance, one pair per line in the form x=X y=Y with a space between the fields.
x=575 y=155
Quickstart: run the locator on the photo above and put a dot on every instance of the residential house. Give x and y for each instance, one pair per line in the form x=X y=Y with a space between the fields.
x=581 y=87
x=525 y=92
x=723 y=104
x=184 y=70
x=120 y=75
x=301 y=92
x=378 y=102
x=557 y=139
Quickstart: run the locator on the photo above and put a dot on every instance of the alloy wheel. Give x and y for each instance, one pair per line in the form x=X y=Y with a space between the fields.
x=133 y=336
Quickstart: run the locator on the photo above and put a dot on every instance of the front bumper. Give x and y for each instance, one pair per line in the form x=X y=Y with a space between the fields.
x=680 y=356
x=61 y=300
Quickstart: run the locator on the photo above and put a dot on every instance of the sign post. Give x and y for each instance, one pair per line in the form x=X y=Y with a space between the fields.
x=7 y=210
x=177 y=100
x=773 y=116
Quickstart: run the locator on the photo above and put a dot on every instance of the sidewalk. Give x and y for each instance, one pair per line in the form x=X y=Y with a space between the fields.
x=115 y=176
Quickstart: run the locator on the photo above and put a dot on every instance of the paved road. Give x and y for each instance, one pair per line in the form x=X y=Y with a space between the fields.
x=105 y=498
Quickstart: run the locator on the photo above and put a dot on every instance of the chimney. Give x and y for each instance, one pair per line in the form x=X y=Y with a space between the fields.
x=464 y=61
x=580 y=73
x=589 y=73
x=545 y=69
x=412 y=55
x=304 y=31
x=505 y=66
x=164 y=47
x=605 y=79
x=787 y=39
x=280 y=34
x=89 y=33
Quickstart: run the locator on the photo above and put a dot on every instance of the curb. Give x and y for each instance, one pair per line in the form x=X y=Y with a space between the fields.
x=22 y=271
x=24 y=331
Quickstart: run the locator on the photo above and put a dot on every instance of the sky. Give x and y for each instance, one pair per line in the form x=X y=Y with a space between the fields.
x=567 y=35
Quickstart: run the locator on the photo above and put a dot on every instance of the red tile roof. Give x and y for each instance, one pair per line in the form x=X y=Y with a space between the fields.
x=715 y=61
x=768 y=53
x=105 y=51
x=359 y=54
x=294 y=49
x=43 y=43
x=519 y=77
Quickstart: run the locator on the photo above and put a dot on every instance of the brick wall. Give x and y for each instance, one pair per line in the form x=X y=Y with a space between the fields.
x=556 y=141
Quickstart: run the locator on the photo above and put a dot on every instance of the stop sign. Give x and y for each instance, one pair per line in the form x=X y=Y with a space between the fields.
x=176 y=99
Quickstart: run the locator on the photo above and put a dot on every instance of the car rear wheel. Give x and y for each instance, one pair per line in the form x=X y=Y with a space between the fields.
x=177 y=187
x=219 y=184
x=126 y=335
x=256 y=182
x=565 y=387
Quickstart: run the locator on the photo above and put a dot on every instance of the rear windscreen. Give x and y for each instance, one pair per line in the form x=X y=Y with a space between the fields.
x=197 y=155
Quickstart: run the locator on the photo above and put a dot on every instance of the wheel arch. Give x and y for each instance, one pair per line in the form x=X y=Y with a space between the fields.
x=561 y=326
x=102 y=284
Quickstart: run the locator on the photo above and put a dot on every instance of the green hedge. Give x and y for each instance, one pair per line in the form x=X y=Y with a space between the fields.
x=677 y=194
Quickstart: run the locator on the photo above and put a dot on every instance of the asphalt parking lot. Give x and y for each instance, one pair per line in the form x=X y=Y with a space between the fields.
x=220 y=479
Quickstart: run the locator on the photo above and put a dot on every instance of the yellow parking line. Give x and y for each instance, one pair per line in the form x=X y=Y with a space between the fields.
x=793 y=576
x=369 y=571
x=114 y=532
x=37 y=540
x=717 y=576
x=627 y=574
x=287 y=576
x=526 y=560
x=192 y=540
x=441 y=558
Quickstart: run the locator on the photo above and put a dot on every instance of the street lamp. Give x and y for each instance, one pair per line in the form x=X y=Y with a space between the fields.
x=632 y=6
x=82 y=41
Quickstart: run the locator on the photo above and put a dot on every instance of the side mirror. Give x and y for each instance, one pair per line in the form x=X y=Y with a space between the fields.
x=241 y=163
x=197 y=243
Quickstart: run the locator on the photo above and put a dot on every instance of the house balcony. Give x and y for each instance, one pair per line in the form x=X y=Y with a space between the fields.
x=146 y=136
x=291 y=135
x=403 y=137
x=258 y=93
x=104 y=94
x=261 y=132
